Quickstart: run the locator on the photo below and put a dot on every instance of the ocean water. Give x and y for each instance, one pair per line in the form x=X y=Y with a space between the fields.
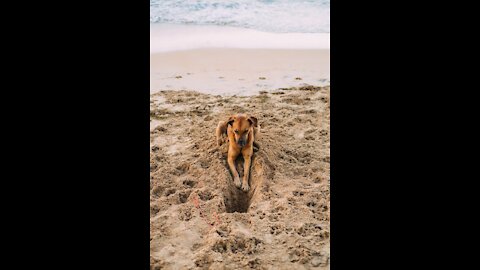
x=274 y=16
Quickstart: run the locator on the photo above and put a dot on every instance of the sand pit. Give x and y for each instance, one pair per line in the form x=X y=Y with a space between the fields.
x=200 y=220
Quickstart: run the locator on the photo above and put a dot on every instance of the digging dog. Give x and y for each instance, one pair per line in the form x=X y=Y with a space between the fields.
x=241 y=131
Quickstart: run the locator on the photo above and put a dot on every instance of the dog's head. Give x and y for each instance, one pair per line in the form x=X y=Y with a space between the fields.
x=242 y=125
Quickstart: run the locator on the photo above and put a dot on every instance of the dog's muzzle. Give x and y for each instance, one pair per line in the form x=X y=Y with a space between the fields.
x=242 y=143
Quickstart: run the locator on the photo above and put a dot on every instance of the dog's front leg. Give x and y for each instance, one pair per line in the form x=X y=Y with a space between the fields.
x=246 y=170
x=231 y=163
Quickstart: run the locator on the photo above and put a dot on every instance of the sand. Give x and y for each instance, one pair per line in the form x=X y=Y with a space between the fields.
x=198 y=218
x=230 y=71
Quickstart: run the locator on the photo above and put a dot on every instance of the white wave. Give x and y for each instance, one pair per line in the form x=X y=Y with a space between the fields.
x=301 y=16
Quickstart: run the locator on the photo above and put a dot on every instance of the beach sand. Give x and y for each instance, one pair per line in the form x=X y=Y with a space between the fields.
x=230 y=71
x=200 y=220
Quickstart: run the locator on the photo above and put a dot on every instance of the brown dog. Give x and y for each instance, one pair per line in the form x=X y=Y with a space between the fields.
x=241 y=131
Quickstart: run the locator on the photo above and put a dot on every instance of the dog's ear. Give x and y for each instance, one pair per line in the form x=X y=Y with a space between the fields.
x=252 y=120
x=230 y=120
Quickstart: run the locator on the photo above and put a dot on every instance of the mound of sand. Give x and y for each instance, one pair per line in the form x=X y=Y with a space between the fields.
x=200 y=220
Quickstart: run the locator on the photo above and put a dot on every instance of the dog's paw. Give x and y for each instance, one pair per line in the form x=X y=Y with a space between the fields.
x=245 y=187
x=237 y=182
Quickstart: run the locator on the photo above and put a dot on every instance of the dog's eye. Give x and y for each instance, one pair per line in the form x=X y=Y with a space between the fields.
x=236 y=130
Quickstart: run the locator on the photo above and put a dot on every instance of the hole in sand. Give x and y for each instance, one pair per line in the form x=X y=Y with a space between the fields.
x=236 y=200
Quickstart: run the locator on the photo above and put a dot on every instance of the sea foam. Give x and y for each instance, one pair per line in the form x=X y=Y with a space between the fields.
x=278 y=16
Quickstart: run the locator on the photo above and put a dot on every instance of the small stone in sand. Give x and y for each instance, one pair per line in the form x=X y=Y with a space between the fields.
x=178 y=77
x=261 y=78
x=298 y=78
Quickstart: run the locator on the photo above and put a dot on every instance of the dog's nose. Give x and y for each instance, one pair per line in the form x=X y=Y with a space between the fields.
x=242 y=143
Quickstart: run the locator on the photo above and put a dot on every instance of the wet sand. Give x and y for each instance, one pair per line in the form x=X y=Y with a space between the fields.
x=230 y=71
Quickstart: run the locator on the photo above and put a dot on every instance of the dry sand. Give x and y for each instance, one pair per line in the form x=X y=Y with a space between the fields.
x=200 y=220
x=238 y=71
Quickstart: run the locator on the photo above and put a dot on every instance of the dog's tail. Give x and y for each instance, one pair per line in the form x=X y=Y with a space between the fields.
x=221 y=131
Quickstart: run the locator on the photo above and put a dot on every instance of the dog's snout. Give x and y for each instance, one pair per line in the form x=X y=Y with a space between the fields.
x=242 y=143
